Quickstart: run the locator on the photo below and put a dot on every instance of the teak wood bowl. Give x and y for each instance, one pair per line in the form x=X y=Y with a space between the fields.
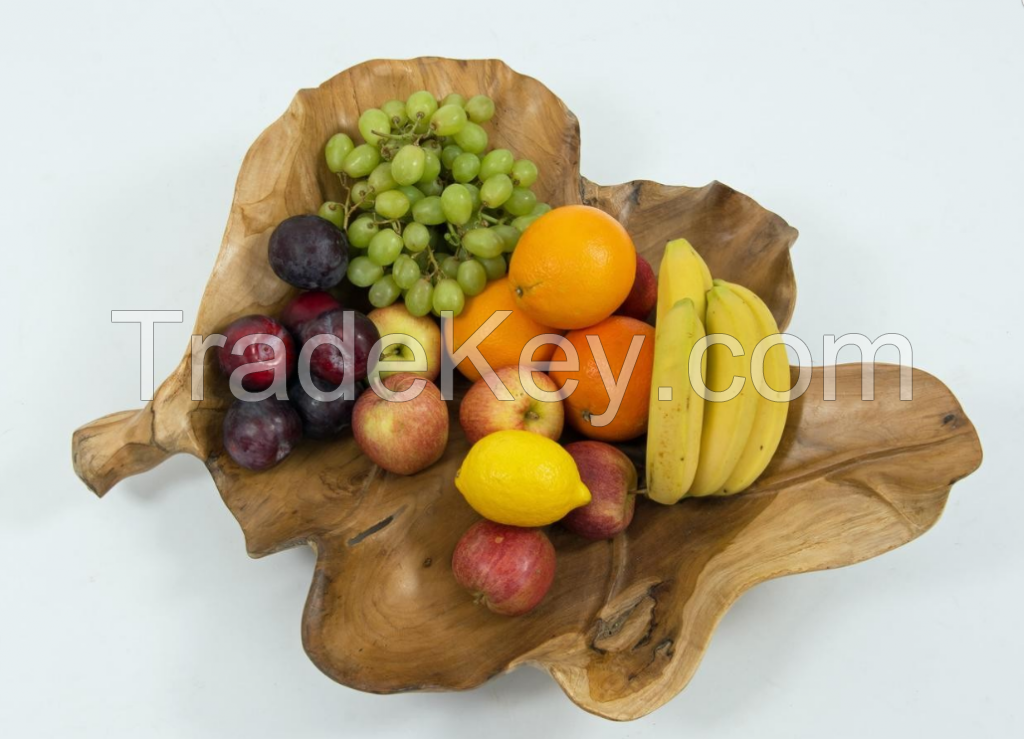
x=627 y=621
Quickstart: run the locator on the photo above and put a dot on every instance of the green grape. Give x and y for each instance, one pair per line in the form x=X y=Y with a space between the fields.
x=449 y=296
x=362 y=194
x=454 y=98
x=465 y=167
x=413 y=193
x=540 y=209
x=474 y=192
x=374 y=124
x=431 y=167
x=332 y=212
x=498 y=161
x=385 y=247
x=419 y=107
x=420 y=298
x=416 y=237
x=434 y=187
x=381 y=179
x=472 y=138
x=448 y=155
x=408 y=165
x=450 y=266
x=433 y=146
x=472 y=277
x=338 y=147
x=363 y=273
x=429 y=211
x=480 y=108
x=496 y=190
x=520 y=202
x=457 y=204
x=361 y=230
x=523 y=222
x=448 y=120
x=361 y=161
x=524 y=173
x=495 y=267
x=392 y=204
x=395 y=111
x=509 y=236
x=482 y=242
x=384 y=292
x=405 y=271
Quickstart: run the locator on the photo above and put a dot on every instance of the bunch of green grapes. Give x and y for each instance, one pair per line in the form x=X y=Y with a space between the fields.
x=431 y=214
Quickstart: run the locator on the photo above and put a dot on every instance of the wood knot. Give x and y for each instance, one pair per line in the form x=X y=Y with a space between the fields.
x=620 y=631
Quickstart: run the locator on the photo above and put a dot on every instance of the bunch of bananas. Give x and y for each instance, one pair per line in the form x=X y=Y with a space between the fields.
x=697 y=447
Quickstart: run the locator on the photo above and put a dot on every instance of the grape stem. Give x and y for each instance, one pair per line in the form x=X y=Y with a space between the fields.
x=435 y=268
x=349 y=210
x=348 y=199
x=392 y=135
x=453 y=233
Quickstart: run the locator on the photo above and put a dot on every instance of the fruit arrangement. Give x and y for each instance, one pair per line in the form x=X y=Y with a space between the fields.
x=624 y=624
x=438 y=216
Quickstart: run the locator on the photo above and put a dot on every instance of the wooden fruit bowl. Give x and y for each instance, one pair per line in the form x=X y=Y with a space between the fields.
x=627 y=621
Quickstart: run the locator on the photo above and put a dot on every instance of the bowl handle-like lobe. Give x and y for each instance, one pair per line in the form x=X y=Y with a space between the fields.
x=114 y=447
x=120 y=445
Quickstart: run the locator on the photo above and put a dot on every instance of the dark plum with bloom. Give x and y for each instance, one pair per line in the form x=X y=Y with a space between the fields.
x=322 y=419
x=331 y=363
x=257 y=352
x=260 y=434
x=308 y=252
x=305 y=307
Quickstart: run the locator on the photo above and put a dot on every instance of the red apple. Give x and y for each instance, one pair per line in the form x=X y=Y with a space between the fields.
x=402 y=437
x=305 y=307
x=481 y=413
x=396 y=319
x=508 y=569
x=611 y=478
x=644 y=295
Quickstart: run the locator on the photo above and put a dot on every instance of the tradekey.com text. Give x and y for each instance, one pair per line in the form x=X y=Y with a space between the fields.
x=614 y=379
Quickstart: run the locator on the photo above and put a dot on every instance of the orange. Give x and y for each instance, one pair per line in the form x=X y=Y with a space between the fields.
x=591 y=398
x=504 y=345
x=573 y=267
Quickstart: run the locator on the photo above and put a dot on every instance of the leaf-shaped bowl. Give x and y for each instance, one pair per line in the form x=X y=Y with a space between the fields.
x=627 y=621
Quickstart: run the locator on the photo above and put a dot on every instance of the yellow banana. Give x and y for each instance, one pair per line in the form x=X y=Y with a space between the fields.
x=771 y=414
x=727 y=424
x=673 y=427
x=704 y=271
x=682 y=274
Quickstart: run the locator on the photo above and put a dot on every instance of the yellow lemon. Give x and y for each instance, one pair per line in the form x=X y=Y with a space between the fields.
x=520 y=478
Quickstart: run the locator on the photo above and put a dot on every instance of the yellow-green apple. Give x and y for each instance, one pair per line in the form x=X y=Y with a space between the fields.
x=482 y=413
x=396 y=319
x=508 y=569
x=403 y=437
x=611 y=478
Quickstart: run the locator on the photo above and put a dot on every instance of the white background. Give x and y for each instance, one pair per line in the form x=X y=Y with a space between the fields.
x=891 y=134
